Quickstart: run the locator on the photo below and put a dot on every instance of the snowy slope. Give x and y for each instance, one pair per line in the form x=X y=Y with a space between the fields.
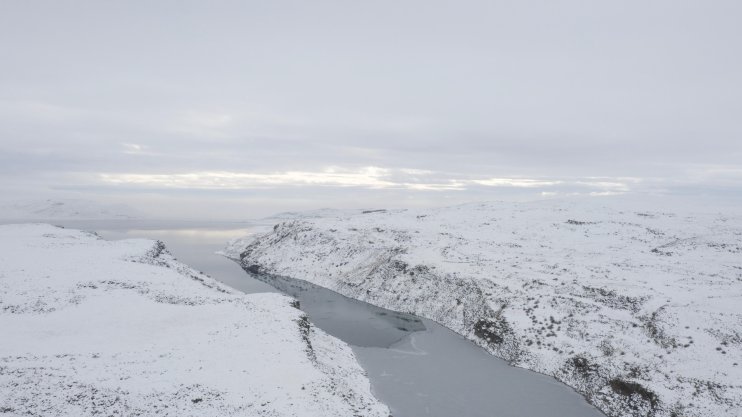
x=92 y=327
x=641 y=311
x=53 y=209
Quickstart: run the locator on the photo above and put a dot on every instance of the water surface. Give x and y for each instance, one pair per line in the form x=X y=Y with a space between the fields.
x=420 y=368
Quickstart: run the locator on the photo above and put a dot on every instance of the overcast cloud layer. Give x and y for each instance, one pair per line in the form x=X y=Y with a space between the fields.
x=262 y=106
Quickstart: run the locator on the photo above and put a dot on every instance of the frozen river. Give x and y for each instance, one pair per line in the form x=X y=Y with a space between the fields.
x=417 y=367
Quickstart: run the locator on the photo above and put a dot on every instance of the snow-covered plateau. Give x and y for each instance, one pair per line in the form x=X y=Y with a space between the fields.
x=95 y=327
x=639 y=310
x=58 y=209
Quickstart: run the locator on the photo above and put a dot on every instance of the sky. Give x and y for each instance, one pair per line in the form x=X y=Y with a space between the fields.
x=235 y=109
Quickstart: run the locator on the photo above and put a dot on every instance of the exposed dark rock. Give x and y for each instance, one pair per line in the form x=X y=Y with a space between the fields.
x=305 y=328
x=491 y=331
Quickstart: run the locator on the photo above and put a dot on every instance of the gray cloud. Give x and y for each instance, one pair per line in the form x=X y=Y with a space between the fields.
x=562 y=94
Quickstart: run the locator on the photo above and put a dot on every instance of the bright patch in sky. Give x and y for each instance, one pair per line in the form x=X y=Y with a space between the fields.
x=367 y=177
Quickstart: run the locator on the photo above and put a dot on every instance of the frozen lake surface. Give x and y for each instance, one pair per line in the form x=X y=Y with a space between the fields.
x=417 y=367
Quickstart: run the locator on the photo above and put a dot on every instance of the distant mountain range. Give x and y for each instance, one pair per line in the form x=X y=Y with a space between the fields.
x=51 y=209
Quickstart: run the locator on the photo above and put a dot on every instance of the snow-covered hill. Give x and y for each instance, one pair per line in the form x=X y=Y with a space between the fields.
x=639 y=310
x=55 y=209
x=92 y=327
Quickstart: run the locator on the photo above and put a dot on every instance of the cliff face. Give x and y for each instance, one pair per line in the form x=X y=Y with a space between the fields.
x=92 y=327
x=638 y=310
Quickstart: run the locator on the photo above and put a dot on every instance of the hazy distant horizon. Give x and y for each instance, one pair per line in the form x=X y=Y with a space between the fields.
x=212 y=109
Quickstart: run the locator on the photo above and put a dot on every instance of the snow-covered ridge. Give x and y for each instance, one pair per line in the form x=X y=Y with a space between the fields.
x=93 y=327
x=639 y=310
x=58 y=209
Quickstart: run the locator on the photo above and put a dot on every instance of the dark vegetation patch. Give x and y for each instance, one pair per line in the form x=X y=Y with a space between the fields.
x=657 y=251
x=629 y=389
x=725 y=247
x=613 y=299
x=583 y=366
x=654 y=330
x=400 y=266
x=578 y=222
x=655 y=232
x=373 y=211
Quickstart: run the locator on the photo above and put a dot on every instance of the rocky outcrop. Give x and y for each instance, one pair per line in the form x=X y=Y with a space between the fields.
x=570 y=290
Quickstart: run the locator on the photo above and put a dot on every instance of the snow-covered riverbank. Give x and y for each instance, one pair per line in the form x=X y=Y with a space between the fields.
x=92 y=327
x=639 y=310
